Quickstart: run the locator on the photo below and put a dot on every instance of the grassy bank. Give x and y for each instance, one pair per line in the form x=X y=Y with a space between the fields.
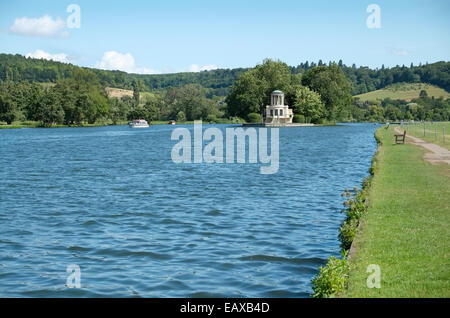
x=406 y=228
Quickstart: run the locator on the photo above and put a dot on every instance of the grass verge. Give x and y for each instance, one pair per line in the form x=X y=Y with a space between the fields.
x=406 y=229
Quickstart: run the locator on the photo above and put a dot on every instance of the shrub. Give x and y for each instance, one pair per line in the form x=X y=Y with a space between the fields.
x=254 y=118
x=299 y=119
x=318 y=121
x=347 y=233
x=332 y=278
x=237 y=120
x=211 y=119
x=181 y=116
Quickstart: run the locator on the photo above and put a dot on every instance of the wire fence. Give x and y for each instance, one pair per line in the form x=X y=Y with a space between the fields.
x=435 y=132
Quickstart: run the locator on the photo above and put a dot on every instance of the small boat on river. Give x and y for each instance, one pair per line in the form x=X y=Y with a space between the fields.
x=139 y=123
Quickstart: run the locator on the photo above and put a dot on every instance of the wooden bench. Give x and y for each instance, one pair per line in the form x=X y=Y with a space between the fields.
x=400 y=138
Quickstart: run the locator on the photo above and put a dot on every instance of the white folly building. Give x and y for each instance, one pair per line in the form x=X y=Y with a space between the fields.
x=277 y=112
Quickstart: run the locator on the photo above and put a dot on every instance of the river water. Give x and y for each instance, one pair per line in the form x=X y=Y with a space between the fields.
x=111 y=200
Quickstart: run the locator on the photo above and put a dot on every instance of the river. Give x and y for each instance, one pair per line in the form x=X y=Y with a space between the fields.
x=111 y=200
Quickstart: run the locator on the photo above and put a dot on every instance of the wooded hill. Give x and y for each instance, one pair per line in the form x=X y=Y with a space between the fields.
x=218 y=82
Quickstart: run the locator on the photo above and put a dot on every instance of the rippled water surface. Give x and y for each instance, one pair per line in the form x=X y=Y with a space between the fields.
x=111 y=200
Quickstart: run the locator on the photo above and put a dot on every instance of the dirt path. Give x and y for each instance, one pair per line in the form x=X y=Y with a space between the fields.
x=436 y=154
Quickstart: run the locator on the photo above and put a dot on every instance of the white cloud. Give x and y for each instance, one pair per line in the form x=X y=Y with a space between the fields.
x=44 y=26
x=399 y=52
x=197 y=68
x=113 y=60
x=39 y=54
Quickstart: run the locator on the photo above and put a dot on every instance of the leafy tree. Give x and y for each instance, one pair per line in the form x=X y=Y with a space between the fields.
x=299 y=119
x=309 y=104
x=254 y=118
x=8 y=109
x=49 y=109
x=253 y=89
x=136 y=94
x=118 y=110
x=332 y=85
x=181 y=116
x=376 y=113
x=247 y=95
x=152 y=111
x=83 y=98
x=423 y=94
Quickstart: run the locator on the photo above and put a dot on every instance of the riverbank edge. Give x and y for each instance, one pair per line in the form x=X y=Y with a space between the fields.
x=156 y=123
x=332 y=278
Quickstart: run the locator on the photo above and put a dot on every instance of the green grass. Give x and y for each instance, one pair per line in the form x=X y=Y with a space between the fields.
x=434 y=132
x=20 y=124
x=406 y=229
x=404 y=91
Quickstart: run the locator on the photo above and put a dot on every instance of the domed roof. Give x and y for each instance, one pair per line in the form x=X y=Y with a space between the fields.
x=277 y=92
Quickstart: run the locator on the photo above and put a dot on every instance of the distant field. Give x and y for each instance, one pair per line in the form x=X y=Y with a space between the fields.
x=118 y=92
x=405 y=91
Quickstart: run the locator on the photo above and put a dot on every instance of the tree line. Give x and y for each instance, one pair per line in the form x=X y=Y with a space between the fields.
x=362 y=79
x=81 y=99
x=322 y=93
x=317 y=94
x=421 y=108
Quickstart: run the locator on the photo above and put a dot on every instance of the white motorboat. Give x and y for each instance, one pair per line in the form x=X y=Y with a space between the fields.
x=139 y=123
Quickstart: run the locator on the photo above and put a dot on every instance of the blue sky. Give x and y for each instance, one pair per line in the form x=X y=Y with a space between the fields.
x=172 y=36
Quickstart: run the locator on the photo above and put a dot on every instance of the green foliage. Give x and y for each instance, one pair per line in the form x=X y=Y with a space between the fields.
x=404 y=91
x=8 y=109
x=308 y=104
x=17 y=68
x=250 y=93
x=299 y=119
x=254 y=118
x=247 y=95
x=422 y=108
x=332 y=85
x=347 y=233
x=181 y=116
x=119 y=109
x=252 y=90
x=191 y=100
x=49 y=110
x=212 y=119
x=332 y=278
x=82 y=97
